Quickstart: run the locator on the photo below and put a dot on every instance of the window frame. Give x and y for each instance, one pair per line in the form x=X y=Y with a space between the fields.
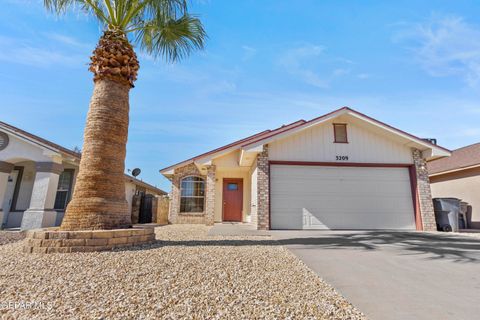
x=335 y=125
x=196 y=197
x=69 y=190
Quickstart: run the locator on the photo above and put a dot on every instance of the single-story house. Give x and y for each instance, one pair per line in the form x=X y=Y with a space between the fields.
x=37 y=178
x=343 y=170
x=458 y=176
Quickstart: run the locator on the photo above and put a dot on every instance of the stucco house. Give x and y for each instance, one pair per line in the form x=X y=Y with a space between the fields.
x=458 y=176
x=343 y=170
x=37 y=178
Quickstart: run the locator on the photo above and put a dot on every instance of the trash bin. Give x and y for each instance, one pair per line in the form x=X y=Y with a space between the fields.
x=447 y=212
x=464 y=211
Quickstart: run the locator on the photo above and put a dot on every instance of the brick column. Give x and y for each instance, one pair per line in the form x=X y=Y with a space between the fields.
x=424 y=192
x=41 y=214
x=210 y=196
x=5 y=170
x=263 y=197
x=174 y=200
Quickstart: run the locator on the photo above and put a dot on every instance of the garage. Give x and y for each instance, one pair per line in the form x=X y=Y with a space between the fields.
x=340 y=197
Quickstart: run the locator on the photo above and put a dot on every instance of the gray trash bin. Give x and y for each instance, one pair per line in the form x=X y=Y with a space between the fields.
x=447 y=211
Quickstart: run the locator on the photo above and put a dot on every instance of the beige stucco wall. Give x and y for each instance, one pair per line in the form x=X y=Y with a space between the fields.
x=227 y=167
x=464 y=185
x=130 y=189
x=232 y=173
x=253 y=193
x=365 y=144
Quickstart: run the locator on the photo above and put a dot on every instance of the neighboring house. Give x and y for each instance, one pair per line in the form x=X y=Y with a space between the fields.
x=37 y=178
x=343 y=170
x=459 y=177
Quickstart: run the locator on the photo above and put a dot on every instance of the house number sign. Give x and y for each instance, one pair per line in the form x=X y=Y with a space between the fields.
x=341 y=158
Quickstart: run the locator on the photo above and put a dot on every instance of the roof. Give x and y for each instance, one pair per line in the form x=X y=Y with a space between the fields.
x=237 y=143
x=147 y=186
x=40 y=140
x=269 y=135
x=461 y=159
x=65 y=151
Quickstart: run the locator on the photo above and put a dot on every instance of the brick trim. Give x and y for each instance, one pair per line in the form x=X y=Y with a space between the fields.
x=210 y=196
x=263 y=190
x=424 y=192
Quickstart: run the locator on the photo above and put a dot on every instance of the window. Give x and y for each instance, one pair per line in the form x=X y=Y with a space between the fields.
x=192 y=194
x=64 y=189
x=340 y=132
x=232 y=186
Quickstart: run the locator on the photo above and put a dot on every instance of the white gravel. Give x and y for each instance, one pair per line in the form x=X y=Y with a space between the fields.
x=185 y=275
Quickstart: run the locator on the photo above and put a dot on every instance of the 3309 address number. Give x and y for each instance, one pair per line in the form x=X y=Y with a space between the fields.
x=342 y=158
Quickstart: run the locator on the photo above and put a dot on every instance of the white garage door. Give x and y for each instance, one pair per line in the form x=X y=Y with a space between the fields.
x=314 y=197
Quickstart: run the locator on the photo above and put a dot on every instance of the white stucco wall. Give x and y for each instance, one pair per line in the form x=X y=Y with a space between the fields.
x=26 y=185
x=18 y=149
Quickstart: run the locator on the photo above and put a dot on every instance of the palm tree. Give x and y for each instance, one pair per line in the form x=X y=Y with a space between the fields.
x=163 y=28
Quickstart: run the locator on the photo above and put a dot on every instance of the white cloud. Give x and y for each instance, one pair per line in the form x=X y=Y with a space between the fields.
x=27 y=53
x=67 y=40
x=294 y=61
x=312 y=65
x=248 y=52
x=363 y=76
x=444 y=46
x=340 y=72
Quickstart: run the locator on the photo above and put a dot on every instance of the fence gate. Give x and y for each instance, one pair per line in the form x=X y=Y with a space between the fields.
x=145 y=215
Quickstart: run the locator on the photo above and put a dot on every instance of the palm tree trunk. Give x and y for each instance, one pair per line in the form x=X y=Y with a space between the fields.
x=99 y=197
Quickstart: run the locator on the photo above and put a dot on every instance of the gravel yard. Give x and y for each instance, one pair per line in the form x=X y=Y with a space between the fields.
x=185 y=274
x=11 y=236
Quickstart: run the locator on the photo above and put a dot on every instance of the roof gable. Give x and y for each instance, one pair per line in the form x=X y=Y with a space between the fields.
x=255 y=141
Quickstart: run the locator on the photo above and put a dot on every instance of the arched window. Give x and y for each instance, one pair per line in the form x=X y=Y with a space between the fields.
x=192 y=194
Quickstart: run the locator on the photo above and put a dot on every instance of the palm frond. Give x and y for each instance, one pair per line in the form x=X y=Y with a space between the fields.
x=160 y=27
x=93 y=7
x=173 y=39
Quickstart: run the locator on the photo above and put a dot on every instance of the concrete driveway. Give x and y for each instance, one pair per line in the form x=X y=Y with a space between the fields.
x=395 y=275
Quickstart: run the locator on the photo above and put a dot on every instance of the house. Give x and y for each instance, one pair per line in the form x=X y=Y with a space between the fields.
x=37 y=178
x=459 y=177
x=343 y=170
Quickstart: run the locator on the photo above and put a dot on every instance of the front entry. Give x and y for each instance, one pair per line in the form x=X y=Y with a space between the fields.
x=232 y=199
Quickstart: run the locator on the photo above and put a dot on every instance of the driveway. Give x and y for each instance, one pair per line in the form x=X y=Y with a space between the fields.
x=395 y=275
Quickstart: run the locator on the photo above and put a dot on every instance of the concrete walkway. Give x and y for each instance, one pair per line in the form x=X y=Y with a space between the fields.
x=395 y=275
x=235 y=229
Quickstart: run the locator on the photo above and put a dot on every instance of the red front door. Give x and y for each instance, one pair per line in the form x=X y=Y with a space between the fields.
x=232 y=199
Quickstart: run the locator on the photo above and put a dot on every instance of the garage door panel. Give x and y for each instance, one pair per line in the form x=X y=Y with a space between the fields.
x=309 y=197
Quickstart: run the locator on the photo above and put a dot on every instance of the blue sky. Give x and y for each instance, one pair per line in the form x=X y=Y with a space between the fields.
x=412 y=64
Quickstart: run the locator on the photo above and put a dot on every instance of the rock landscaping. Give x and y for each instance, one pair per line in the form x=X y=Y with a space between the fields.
x=11 y=236
x=185 y=274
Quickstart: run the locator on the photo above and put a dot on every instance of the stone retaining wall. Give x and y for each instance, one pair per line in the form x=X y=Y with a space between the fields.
x=54 y=241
